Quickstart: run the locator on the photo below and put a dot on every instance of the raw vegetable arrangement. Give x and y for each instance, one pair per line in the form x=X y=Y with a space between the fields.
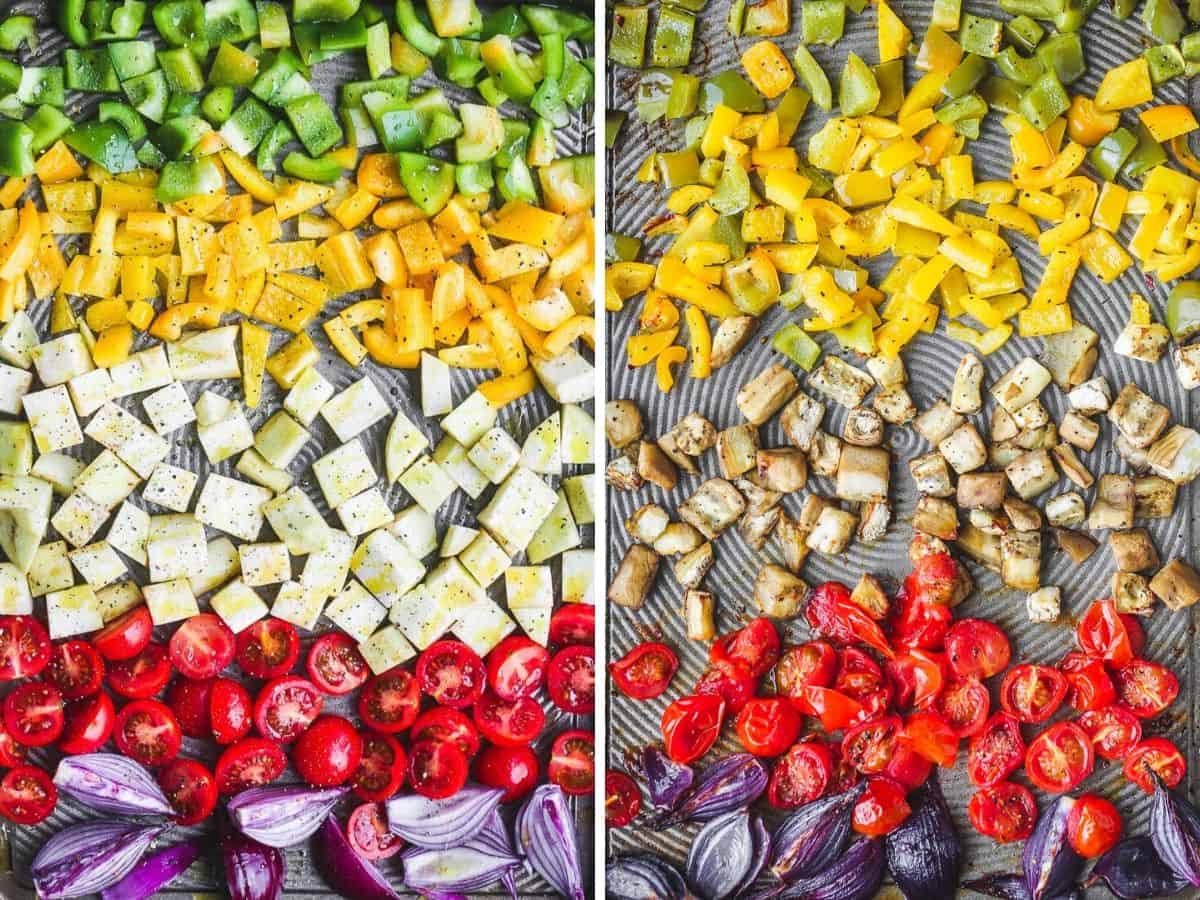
x=206 y=239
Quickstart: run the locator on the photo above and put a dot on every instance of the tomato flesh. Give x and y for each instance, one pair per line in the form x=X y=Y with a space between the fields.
x=147 y=731
x=441 y=723
x=813 y=663
x=881 y=808
x=733 y=685
x=1114 y=731
x=1005 y=812
x=286 y=707
x=767 y=726
x=622 y=799
x=753 y=648
x=1146 y=688
x=88 y=726
x=965 y=705
x=1093 y=826
x=125 y=637
x=231 y=712
x=390 y=702
x=690 y=726
x=380 y=771
x=507 y=724
x=368 y=833
x=76 y=669
x=1158 y=756
x=976 y=648
x=249 y=763
x=1032 y=693
x=869 y=747
x=33 y=714
x=801 y=775
x=572 y=762
x=142 y=676
x=27 y=795
x=571 y=679
x=190 y=788
x=436 y=769
x=451 y=673
x=645 y=672
x=516 y=667
x=202 y=646
x=1059 y=758
x=335 y=665
x=996 y=751
x=268 y=648
x=24 y=647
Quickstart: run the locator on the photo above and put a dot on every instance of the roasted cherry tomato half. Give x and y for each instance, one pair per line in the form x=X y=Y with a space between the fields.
x=932 y=737
x=690 y=726
x=1088 y=684
x=918 y=623
x=831 y=613
x=327 y=754
x=801 y=775
x=571 y=679
x=976 y=648
x=767 y=726
x=381 y=768
x=251 y=762
x=190 y=788
x=441 y=723
x=965 y=704
x=735 y=686
x=451 y=673
x=573 y=623
x=622 y=799
x=918 y=677
x=514 y=724
x=996 y=751
x=1005 y=812
x=436 y=769
x=15 y=754
x=881 y=808
x=147 y=731
x=1114 y=731
x=835 y=710
x=202 y=646
x=1145 y=688
x=368 y=833
x=141 y=677
x=24 y=647
x=1032 y=693
x=573 y=762
x=1093 y=826
x=125 y=637
x=516 y=667
x=514 y=769
x=813 y=663
x=907 y=767
x=845 y=776
x=870 y=746
x=1059 y=758
x=27 y=795
x=1154 y=755
x=645 y=672
x=754 y=648
x=334 y=664
x=285 y=707
x=88 y=726
x=33 y=714
x=938 y=579
x=268 y=648
x=390 y=702
x=858 y=675
x=231 y=711
x=1106 y=634
x=76 y=669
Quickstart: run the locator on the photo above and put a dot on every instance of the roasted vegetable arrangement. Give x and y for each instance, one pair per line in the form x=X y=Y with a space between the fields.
x=152 y=260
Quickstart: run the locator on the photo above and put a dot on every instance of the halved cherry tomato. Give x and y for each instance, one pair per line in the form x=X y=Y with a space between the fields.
x=27 y=795
x=390 y=702
x=327 y=754
x=801 y=775
x=573 y=623
x=1158 y=756
x=76 y=669
x=754 y=648
x=1088 y=684
x=202 y=646
x=335 y=665
x=381 y=769
x=285 y=707
x=436 y=769
x=1145 y=688
x=268 y=648
x=451 y=673
x=573 y=762
x=33 y=714
x=571 y=679
x=831 y=612
x=515 y=769
x=881 y=808
x=858 y=675
x=918 y=677
x=1059 y=758
x=368 y=833
x=965 y=705
x=845 y=776
x=918 y=623
x=813 y=663
x=690 y=726
x=1114 y=730
x=734 y=685
x=148 y=732
x=514 y=724
x=125 y=637
x=14 y=754
x=833 y=708
x=141 y=677
x=907 y=767
x=516 y=667
x=622 y=799
x=978 y=648
x=1093 y=826
x=441 y=723
x=1032 y=693
x=767 y=726
x=190 y=788
x=996 y=751
x=231 y=711
x=191 y=702
x=251 y=762
x=645 y=672
x=1106 y=634
x=938 y=579
x=932 y=737
x=24 y=647
x=88 y=725
x=870 y=746
x=1005 y=812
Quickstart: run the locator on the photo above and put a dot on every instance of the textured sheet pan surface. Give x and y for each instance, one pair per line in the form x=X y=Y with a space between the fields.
x=931 y=361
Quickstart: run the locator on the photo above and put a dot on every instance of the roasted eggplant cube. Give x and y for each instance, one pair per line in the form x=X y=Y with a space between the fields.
x=766 y=393
x=1021 y=559
x=1031 y=473
x=936 y=516
x=634 y=577
x=778 y=592
x=931 y=475
x=1113 y=506
x=863 y=474
x=715 y=505
x=1139 y=417
x=737 y=450
x=1133 y=550
x=1176 y=584
x=801 y=420
x=622 y=423
x=982 y=490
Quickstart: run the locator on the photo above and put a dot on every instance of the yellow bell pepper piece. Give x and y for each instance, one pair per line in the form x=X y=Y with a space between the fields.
x=1125 y=85
x=768 y=69
x=914 y=212
x=1057 y=277
x=939 y=52
x=644 y=348
x=1168 y=121
x=894 y=35
x=18 y=254
x=113 y=345
x=288 y=363
x=663 y=375
x=344 y=340
x=968 y=254
x=1102 y=255
x=57 y=164
x=721 y=125
x=106 y=313
x=507 y=388
x=1110 y=207
x=699 y=341
x=256 y=342
x=833 y=145
x=382 y=348
x=1086 y=124
x=1038 y=322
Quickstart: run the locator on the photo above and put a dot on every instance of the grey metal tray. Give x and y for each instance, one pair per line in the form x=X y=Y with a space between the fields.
x=401 y=388
x=931 y=361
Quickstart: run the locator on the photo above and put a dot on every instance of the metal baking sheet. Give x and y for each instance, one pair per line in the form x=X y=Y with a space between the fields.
x=931 y=361
x=401 y=388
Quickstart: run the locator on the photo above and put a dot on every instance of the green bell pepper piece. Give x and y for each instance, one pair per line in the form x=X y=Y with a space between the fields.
x=125 y=116
x=10 y=77
x=1024 y=33
x=693 y=134
x=90 y=70
x=858 y=91
x=440 y=127
x=1064 y=54
x=18 y=30
x=1073 y=14
x=966 y=76
x=671 y=47
x=1001 y=94
x=277 y=137
x=735 y=20
x=148 y=94
x=42 y=84
x=503 y=63
x=1145 y=156
x=181 y=24
x=654 y=93
x=232 y=67
x=322 y=170
x=1190 y=47
x=314 y=123
x=132 y=58
x=217 y=105
x=68 y=15
x=177 y=137
x=613 y=120
x=1044 y=101
x=627 y=44
x=969 y=106
x=104 y=143
x=324 y=10
x=11 y=107
x=1163 y=19
x=505 y=20
x=814 y=77
x=379 y=50
x=1183 y=310
x=474 y=178
x=542 y=146
x=683 y=95
x=16 y=153
x=430 y=182
x=678 y=168
x=516 y=142
x=150 y=157
x=822 y=21
x=968 y=128
x=179 y=180
x=732 y=193
x=1021 y=69
x=621 y=248
x=352 y=92
x=728 y=231
x=48 y=124
x=576 y=82
x=947 y=11
x=553 y=54
x=557 y=20
x=730 y=89
x=981 y=35
x=1165 y=62
x=1034 y=9
x=794 y=103
x=490 y=92
x=235 y=21
x=273 y=28
x=348 y=35
x=414 y=30
x=307 y=38
x=182 y=105
x=398 y=125
x=548 y=103
x=1109 y=156
x=793 y=342
x=182 y=70
x=516 y=182
x=281 y=81
x=460 y=62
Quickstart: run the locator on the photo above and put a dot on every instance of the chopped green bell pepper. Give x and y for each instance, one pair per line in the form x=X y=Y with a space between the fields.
x=542 y=146
x=654 y=93
x=966 y=76
x=277 y=137
x=793 y=342
x=557 y=20
x=505 y=20
x=814 y=77
x=474 y=178
x=981 y=35
x=18 y=30
x=68 y=15
x=1021 y=69
x=822 y=21
x=16 y=154
x=1183 y=310
x=179 y=180
x=516 y=142
x=182 y=70
x=858 y=91
x=1002 y=94
x=794 y=103
x=235 y=21
x=125 y=116
x=10 y=77
x=323 y=169
x=407 y=59
x=504 y=64
x=132 y=58
x=348 y=35
x=1064 y=54
x=516 y=182
x=181 y=24
x=90 y=70
x=627 y=44
x=314 y=123
x=48 y=124
x=440 y=126
x=177 y=137
x=217 y=105
x=621 y=248
x=273 y=28
x=730 y=89
x=969 y=106
x=1044 y=101
x=232 y=67
x=104 y=143
x=42 y=84
x=683 y=96
x=324 y=10
x=414 y=30
x=671 y=47
x=398 y=125
x=148 y=94
x=1024 y=33
x=1109 y=156
x=1145 y=156
x=1165 y=62
x=430 y=182
x=613 y=120
x=1163 y=19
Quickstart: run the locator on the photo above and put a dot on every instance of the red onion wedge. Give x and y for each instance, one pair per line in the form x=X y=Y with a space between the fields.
x=442 y=824
x=111 y=783
x=86 y=858
x=282 y=815
x=154 y=872
x=345 y=870
x=546 y=833
x=253 y=871
x=484 y=860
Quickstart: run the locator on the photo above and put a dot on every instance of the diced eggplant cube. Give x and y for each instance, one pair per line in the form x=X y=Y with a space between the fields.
x=1021 y=559
x=169 y=408
x=1176 y=455
x=1044 y=604
x=1113 y=506
x=170 y=487
x=833 y=531
x=232 y=506
x=801 y=420
x=714 y=506
x=938 y=422
x=171 y=601
x=936 y=516
x=982 y=490
x=1176 y=584
x=1031 y=474
x=964 y=449
x=737 y=449
x=631 y=584
x=1138 y=417
x=238 y=605
x=766 y=393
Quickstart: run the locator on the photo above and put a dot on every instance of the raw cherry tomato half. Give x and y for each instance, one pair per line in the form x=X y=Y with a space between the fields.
x=24 y=647
x=368 y=833
x=813 y=663
x=753 y=648
x=335 y=665
x=389 y=702
x=125 y=637
x=451 y=673
x=1005 y=812
x=231 y=712
x=573 y=762
x=938 y=579
x=1059 y=758
x=141 y=677
x=328 y=753
x=436 y=769
x=869 y=746
x=251 y=762
x=918 y=623
x=918 y=676
x=831 y=613
x=516 y=667
x=1105 y=634
x=89 y=724
x=1088 y=684
x=190 y=701
x=268 y=648
x=33 y=714
x=380 y=771
x=76 y=669
x=514 y=724
x=571 y=679
x=1146 y=688
x=996 y=752
x=645 y=672
x=977 y=648
x=1154 y=756
x=515 y=769
x=932 y=737
x=1114 y=731
x=27 y=795
x=965 y=704
x=286 y=707
x=441 y=723
x=202 y=646
x=734 y=686
x=1093 y=826
x=690 y=726
x=148 y=732
x=14 y=754
x=881 y=808
x=190 y=788
x=573 y=623
x=833 y=708
x=801 y=775
x=767 y=726
x=1032 y=693
x=622 y=799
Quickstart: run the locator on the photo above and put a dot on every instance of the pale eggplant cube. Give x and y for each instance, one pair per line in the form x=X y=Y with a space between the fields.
x=146 y=370
x=51 y=415
x=206 y=355
x=90 y=391
x=453 y=459
x=356 y=612
x=175 y=547
x=385 y=567
x=170 y=601
x=306 y=397
x=59 y=471
x=542 y=450
x=484 y=625
x=60 y=359
x=568 y=377
x=118 y=599
x=365 y=512
x=452 y=587
x=964 y=449
x=528 y=586
x=263 y=564
x=578 y=581
x=581 y=496
x=169 y=408
x=420 y=617
x=355 y=409
x=556 y=534
x=73 y=611
x=15 y=598
x=238 y=605
x=98 y=564
x=211 y=408
x=14 y=384
x=51 y=570
x=297 y=522
x=79 y=518
x=344 y=473
x=428 y=484
x=232 y=506
x=495 y=454
x=254 y=467
x=107 y=480
x=578 y=436
x=299 y=605
x=456 y=539
x=138 y=445
x=18 y=339
x=517 y=509
x=386 y=649
x=436 y=396
x=470 y=420
x=1021 y=384
x=416 y=529
x=327 y=567
x=129 y=532
x=405 y=442
x=170 y=487
x=223 y=564
x=1044 y=604
x=227 y=436
x=535 y=622
x=484 y=559
x=16 y=448
x=281 y=439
